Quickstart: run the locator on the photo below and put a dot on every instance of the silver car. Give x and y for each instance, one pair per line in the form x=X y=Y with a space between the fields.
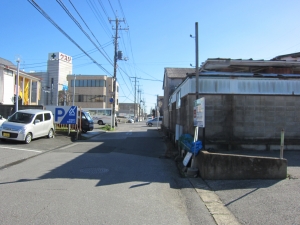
x=154 y=122
x=26 y=125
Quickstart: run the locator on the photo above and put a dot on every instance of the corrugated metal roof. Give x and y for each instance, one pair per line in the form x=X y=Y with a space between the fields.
x=241 y=74
x=178 y=72
x=239 y=85
x=293 y=55
x=223 y=63
x=5 y=62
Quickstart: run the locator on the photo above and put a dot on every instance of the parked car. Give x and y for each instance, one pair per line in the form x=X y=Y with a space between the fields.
x=25 y=125
x=130 y=121
x=122 y=119
x=154 y=122
x=87 y=123
x=2 y=120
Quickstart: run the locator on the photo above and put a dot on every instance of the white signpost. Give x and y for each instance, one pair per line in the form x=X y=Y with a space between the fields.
x=199 y=112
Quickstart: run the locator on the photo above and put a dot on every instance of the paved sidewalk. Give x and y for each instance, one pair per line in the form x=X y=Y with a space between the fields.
x=263 y=201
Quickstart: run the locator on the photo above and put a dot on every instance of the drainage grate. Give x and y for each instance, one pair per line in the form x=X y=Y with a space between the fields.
x=94 y=170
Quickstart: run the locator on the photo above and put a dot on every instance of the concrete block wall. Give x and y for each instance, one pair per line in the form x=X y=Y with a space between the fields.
x=216 y=166
x=236 y=119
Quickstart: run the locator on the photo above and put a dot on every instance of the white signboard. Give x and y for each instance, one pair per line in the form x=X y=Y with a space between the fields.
x=187 y=158
x=199 y=112
x=59 y=56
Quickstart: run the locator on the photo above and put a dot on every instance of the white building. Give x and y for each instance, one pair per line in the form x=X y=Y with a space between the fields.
x=29 y=85
x=59 y=66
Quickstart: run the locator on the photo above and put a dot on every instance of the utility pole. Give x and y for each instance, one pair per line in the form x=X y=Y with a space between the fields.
x=17 y=88
x=197 y=63
x=115 y=69
x=144 y=111
x=140 y=103
x=74 y=84
x=134 y=96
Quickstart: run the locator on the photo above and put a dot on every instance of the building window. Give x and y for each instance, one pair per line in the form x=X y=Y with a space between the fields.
x=102 y=83
x=178 y=99
x=80 y=98
x=90 y=98
x=89 y=83
x=85 y=83
x=34 y=91
x=8 y=72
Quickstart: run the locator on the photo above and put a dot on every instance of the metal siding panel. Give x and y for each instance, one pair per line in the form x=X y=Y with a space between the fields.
x=261 y=86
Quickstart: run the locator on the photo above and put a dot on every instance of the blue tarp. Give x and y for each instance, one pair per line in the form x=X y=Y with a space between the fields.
x=187 y=143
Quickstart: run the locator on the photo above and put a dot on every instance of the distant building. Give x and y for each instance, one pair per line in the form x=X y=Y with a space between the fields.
x=172 y=78
x=92 y=91
x=131 y=110
x=247 y=103
x=288 y=57
x=160 y=105
x=29 y=85
x=59 y=66
x=56 y=85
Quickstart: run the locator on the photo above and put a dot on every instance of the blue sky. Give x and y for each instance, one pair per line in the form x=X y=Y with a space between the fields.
x=158 y=36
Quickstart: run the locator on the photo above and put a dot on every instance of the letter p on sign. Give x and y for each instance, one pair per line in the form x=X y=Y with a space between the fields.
x=59 y=112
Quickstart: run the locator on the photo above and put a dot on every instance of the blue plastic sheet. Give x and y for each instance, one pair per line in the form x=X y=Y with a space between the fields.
x=187 y=143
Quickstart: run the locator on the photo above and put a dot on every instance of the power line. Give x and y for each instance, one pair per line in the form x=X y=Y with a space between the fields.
x=103 y=8
x=85 y=33
x=99 y=17
x=122 y=10
x=37 y=7
x=149 y=79
x=112 y=8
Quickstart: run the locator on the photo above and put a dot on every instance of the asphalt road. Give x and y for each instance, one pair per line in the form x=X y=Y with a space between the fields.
x=121 y=177
x=113 y=178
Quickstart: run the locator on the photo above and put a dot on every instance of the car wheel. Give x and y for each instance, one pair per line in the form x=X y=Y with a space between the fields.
x=83 y=131
x=150 y=124
x=28 y=138
x=100 y=122
x=50 y=134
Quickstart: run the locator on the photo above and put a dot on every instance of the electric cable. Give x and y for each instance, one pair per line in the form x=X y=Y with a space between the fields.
x=81 y=28
x=37 y=7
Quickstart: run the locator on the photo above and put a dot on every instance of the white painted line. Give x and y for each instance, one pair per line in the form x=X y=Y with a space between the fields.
x=68 y=146
x=20 y=149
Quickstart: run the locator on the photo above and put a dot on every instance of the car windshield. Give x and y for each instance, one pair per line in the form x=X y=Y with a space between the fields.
x=88 y=116
x=20 y=117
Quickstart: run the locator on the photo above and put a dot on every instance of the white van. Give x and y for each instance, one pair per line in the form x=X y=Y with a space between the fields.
x=28 y=124
x=100 y=116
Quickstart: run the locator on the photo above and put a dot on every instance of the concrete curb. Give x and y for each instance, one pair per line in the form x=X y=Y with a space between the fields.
x=219 y=212
x=85 y=136
x=89 y=136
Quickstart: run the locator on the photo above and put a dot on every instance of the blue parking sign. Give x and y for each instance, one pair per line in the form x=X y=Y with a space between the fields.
x=64 y=114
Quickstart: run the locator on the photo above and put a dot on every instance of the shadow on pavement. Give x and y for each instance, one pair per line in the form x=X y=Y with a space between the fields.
x=114 y=161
